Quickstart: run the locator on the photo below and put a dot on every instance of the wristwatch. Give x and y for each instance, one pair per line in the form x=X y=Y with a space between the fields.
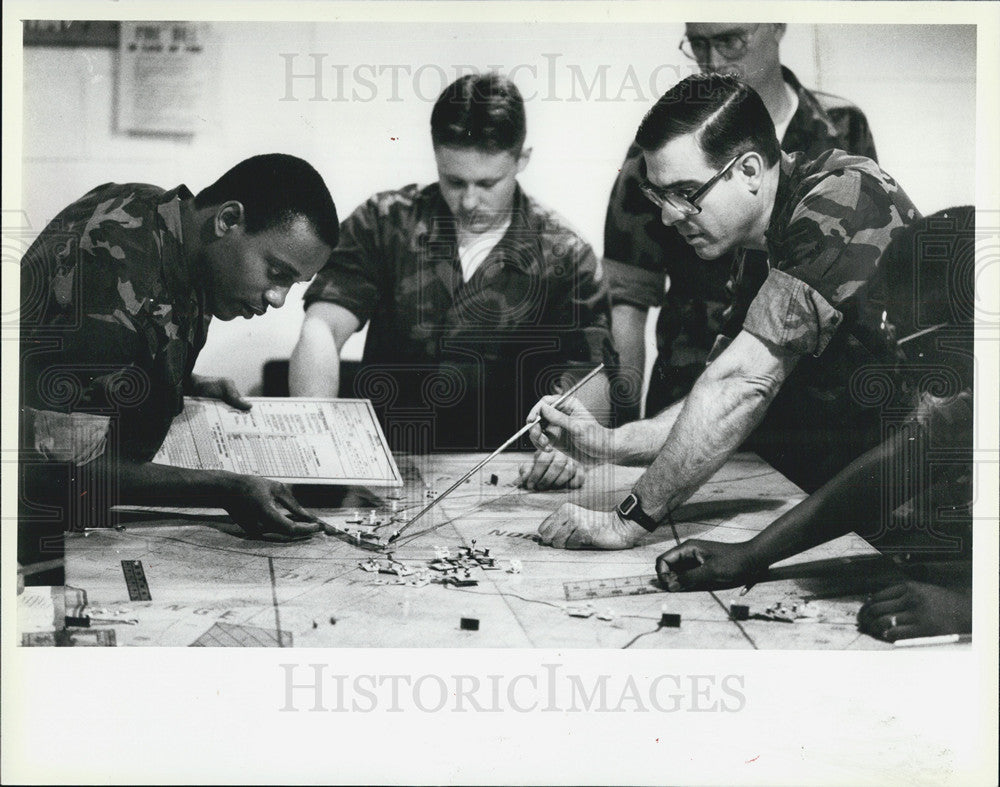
x=631 y=508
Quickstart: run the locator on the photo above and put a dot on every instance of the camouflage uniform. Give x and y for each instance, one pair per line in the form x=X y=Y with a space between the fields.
x=833 y=219
x=458 y=363
x=112 y=319
x=640 y=253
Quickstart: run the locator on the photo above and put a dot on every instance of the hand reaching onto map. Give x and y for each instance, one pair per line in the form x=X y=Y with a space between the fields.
x=551 y=470
x=574 y=527
x=261 y=507
x=706 y=565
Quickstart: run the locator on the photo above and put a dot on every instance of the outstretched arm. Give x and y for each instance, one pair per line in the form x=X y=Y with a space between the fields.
x=727 y=402
x=851 y=501
x=261 y=506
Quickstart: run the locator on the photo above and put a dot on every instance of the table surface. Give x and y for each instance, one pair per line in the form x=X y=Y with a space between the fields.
x=210 y=586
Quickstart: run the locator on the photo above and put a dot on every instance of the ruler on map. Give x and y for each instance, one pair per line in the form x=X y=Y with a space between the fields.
x=608 y=588
x=135 y=580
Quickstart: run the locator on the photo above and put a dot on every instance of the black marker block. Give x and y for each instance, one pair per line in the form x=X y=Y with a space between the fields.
x=670 y=621
x=469 y=624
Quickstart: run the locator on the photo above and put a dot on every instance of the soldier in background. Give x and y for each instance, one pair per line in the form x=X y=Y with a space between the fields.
x=479 y=298
x=117 y=293
x=802 y=327
x=641 y=254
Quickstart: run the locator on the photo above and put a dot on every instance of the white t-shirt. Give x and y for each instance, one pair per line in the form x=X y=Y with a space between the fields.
x=474 y=248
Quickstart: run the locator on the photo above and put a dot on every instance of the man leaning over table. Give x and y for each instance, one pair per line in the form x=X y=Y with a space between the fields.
x=117 y=293
x=641 y=254
x=802 y=329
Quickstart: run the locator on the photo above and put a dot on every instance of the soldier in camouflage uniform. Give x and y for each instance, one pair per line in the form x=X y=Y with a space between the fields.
x=117 y=294
x=478 y=299
x=803 y=329
x=641 y=254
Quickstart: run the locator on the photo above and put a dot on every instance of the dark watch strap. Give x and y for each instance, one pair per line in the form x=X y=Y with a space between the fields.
x=631 y=508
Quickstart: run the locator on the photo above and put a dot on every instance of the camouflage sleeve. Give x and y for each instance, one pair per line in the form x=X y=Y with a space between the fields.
x=633 y=257
x=593 y=311
x=89 y=342
x=51 y=436
x=790 y=314
x=831 y=246
x=350 y=277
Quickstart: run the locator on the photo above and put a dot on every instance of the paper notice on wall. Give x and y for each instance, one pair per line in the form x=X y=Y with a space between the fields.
x=298 y=441
x=163 y=77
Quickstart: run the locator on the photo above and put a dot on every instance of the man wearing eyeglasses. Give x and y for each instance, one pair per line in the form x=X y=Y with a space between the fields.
x=805 y=342
x=640 y=254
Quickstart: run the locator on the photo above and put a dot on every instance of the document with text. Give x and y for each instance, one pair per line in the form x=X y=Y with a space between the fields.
x=298 y=441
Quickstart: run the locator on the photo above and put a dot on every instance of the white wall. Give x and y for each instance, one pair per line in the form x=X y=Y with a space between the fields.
x=916 y=84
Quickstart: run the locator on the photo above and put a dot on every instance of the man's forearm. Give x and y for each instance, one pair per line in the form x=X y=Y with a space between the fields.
x=595 y=396
x=716 y=417
x=146 y=483
x=639 y=443
x=314 y=369
x=851 y=501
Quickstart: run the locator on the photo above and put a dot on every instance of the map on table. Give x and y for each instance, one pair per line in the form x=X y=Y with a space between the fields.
x=211 y=586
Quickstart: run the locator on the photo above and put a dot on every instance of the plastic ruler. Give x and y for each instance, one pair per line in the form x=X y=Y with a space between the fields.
x=607 y=588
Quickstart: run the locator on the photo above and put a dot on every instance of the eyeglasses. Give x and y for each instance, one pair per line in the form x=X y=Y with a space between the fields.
x=686 y=203
x=729 y=46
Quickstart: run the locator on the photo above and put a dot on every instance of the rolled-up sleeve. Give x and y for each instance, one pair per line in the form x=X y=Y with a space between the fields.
x=77 y=438
x=632 y=285
x=822 y=264
x=789 y=313
x=350 y=277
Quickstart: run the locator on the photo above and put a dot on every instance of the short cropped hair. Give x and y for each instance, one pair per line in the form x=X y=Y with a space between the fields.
x=275 y=189
x=726 y=114
x=482 y=111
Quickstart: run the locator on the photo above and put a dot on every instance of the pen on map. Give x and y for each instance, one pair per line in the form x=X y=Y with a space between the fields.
x=510 y=441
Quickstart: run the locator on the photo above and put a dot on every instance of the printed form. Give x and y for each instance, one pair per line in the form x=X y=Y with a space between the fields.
x=298 y=441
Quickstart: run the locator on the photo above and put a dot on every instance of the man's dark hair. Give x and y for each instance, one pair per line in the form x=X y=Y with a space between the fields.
x=482 y=111
x=275 y=189
x=726 y=114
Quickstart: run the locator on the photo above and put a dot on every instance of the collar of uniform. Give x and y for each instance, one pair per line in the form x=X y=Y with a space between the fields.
x=179 y=276
x=786 y=174
x=186 y=295
x=439 y=226
x=809 y=110
x=170 y=209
